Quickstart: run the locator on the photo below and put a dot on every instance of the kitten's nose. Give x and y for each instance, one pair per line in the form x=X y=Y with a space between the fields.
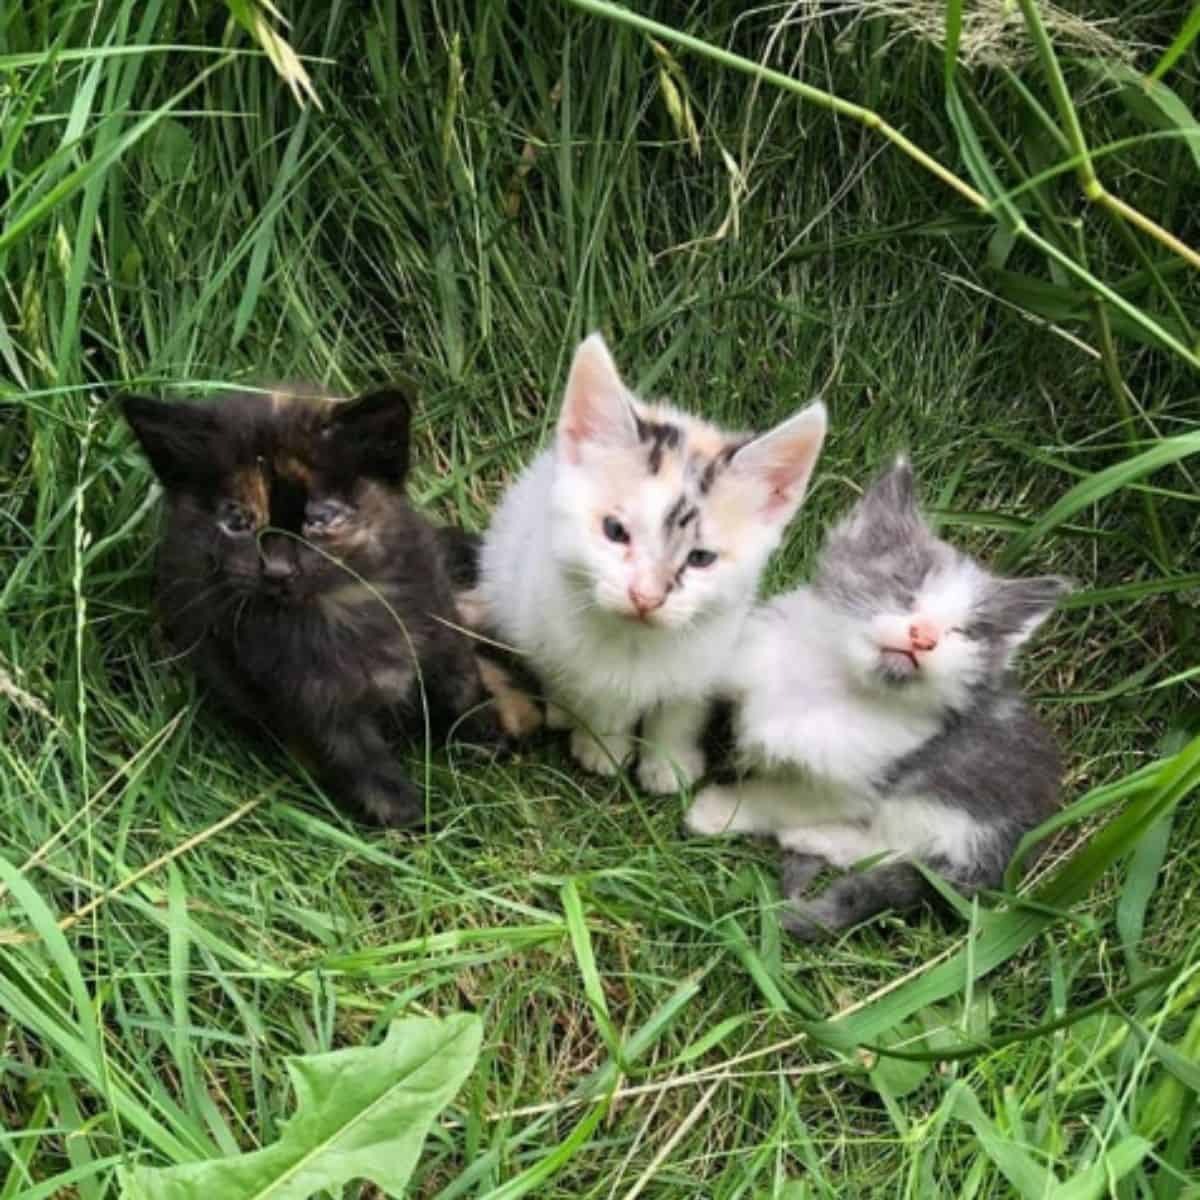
x=923 y=635
x=646 y=602
x=277 y=568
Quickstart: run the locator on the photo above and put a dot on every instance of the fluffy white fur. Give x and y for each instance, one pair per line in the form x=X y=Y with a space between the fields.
x=817 y=717
x=620 y=630
x=831 y=695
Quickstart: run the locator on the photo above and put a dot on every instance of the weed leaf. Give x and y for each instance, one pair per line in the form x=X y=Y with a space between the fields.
x=361 y=1113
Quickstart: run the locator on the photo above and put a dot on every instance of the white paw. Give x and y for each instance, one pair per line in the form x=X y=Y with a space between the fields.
x=660 y=774
x=712 y=812
x=601 y=758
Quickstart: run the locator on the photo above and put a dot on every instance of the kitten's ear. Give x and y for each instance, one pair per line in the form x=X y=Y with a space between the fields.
x=371 y=433
x=893 y=491
x=783 y=459
x=1012 y=609
x=176 y=438
x=596 y=406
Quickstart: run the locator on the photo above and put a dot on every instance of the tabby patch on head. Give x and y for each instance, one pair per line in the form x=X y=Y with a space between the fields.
x=663 y=515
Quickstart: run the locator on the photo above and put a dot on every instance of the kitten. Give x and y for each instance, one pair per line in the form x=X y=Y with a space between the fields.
x=302 y=587
x=877 y=714
x=623 y=562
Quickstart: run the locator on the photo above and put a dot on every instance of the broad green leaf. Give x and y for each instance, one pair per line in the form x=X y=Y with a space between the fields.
x=1141 y=880
x=1155 y=104
x=1063 y=303
x=1181 y=1065
x=170 y=150
x=1031 y=1181
x=1095 y=1181
x=361 y=1113
x=897 y=1077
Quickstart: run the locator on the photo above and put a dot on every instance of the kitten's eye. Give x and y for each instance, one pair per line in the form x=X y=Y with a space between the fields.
x=615 y=531
x=234 y=518
x=321 y=516
x=701 y=558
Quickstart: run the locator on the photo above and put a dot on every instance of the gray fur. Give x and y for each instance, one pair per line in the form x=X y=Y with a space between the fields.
x=880 y=553
x=991 y=760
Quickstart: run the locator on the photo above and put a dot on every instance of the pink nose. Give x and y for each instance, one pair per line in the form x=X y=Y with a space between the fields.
x=923 y=635
x=645 y=602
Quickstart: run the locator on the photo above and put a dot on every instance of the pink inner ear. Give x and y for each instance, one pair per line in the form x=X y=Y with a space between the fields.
x=783 y=460
x=783 y=486
x=787 y=478
x=594 y=406
x=570 y=434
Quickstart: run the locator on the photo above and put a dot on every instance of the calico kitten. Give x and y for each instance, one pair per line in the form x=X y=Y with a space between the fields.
x=624 y=560
x=303 y=588
x=877 y=714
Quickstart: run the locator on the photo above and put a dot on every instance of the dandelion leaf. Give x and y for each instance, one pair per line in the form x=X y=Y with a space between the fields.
x=361 y=1113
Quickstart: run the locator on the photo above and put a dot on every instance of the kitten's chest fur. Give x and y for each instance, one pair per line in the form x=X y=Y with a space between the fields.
x=600 y=653
x=991 y=762
x=795 y=706
x=325 y=654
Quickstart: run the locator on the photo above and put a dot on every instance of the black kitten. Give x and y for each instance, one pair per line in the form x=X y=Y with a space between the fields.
x=304 y=589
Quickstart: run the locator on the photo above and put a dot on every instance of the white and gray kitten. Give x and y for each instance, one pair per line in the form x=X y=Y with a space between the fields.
x=623 y=563
x=877 y=714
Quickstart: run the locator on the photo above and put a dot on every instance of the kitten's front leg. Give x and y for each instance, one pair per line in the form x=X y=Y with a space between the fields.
x=672 y=756
x=601 y=741
x=738 y=808
x=357 y=766
x=852 y=899
x=797 y=872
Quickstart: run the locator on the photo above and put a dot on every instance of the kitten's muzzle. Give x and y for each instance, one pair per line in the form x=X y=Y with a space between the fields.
x=903 y=661
x=923 y=636
x=645 y=603
x=278 y=570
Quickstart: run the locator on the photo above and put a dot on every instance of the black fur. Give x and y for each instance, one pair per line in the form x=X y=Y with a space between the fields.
x=662 y=436
x=326 y=634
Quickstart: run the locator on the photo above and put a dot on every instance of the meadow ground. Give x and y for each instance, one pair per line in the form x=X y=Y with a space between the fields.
x=481 y=186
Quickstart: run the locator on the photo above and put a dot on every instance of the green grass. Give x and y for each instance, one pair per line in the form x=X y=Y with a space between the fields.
x=483 y=185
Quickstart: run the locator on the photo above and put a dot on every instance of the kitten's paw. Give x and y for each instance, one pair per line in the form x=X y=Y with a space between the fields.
x=519 y=714
x=482 y=728
x=392 y=803
x=601 y=758
x=810 y=920
x=662 y=774
x=799 y=870
x=712 y=812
